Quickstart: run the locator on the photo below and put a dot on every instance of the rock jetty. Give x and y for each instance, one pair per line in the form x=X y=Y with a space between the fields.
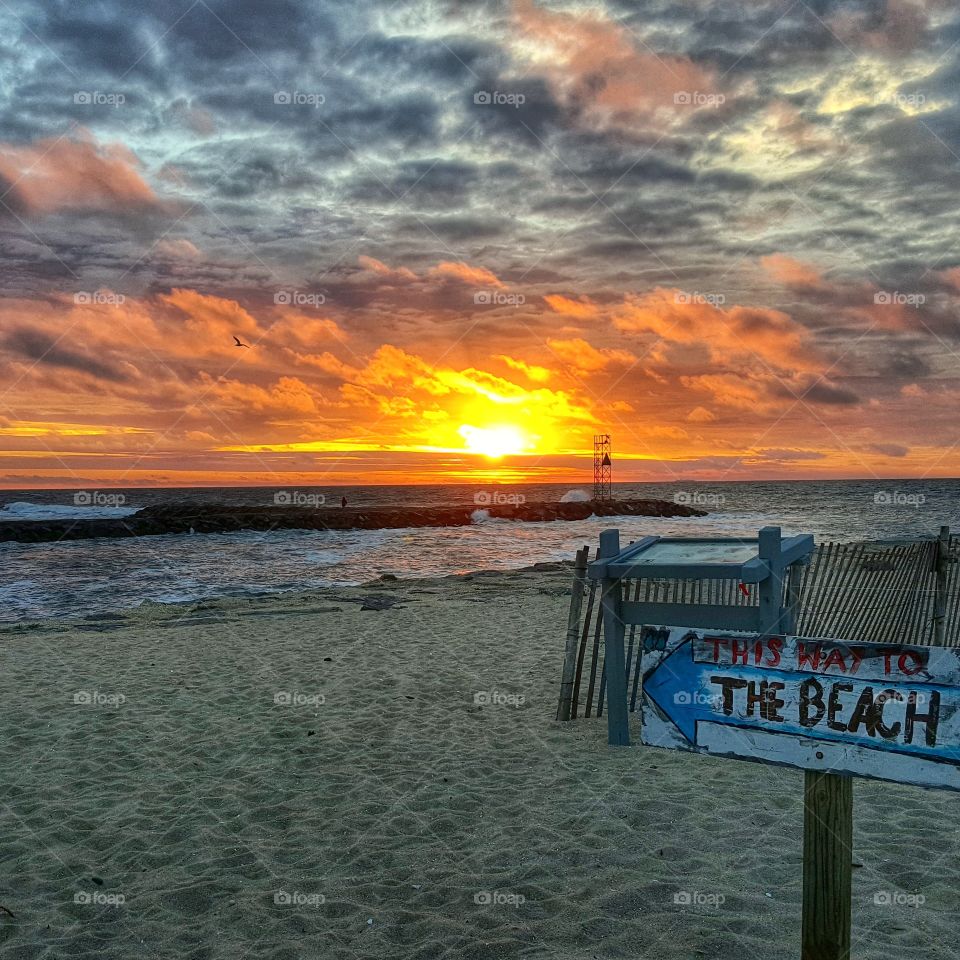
x=226 y=518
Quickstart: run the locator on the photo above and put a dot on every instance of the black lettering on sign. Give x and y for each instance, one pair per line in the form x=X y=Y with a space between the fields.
x=771 y=702
x=728 y=685
x=891 y=732
x=811 y=695
x=864 y=714
x=931 y=718
x=835 y=707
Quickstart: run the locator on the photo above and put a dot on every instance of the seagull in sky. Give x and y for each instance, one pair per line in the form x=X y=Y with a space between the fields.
x=239 y=343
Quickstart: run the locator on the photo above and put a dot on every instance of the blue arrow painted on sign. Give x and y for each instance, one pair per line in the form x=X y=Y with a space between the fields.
x=682 y=689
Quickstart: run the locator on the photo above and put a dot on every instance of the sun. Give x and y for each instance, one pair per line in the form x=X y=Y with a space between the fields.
x=495 y=441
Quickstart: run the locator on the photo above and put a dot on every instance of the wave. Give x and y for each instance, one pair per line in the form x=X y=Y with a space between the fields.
x=24 y=510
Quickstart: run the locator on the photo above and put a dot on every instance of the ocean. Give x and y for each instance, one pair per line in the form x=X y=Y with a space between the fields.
x=88 y=577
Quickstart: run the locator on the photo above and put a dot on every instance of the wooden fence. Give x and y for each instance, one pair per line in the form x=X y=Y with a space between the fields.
x=876 y=592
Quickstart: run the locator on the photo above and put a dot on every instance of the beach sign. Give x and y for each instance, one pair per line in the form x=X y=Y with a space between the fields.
x=732 y=680
x=857 y=709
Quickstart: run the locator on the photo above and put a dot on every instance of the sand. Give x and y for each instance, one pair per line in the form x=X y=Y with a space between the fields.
x=384 y=812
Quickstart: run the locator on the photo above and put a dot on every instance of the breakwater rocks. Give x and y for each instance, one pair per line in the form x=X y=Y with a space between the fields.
x=226 y=518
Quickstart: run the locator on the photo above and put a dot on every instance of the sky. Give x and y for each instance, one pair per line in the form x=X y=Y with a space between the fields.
x=456 y=240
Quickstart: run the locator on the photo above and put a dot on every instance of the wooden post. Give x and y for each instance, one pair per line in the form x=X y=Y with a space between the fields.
x=827 y=865
x=573 y=634
x=771 y=588
x=791 y=612
x=618 y=723
x=940 y=594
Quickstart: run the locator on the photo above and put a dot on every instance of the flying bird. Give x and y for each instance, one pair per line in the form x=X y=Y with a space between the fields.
x=239 y=342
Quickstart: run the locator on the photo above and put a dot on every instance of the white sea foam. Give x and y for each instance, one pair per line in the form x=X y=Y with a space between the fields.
x=575 y=496
x=23 y=510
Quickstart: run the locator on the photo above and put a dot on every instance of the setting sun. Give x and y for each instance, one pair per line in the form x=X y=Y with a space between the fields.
x=494 y=442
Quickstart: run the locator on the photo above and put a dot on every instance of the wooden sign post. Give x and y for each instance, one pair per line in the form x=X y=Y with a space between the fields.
x=827 y=866
x=834 y=709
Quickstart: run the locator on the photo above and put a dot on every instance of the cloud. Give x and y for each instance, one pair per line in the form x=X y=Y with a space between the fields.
x=701 y=415
x=584 y=356
x=791 y=272
x=889 y=449
x=531 y=371
x=581 y=309
x=211 y=320
x=726 y=333
x=594 y=67
x=42 y=348
x=79 y=176
x=475 y=276
x=178 y=249
x=401 y=274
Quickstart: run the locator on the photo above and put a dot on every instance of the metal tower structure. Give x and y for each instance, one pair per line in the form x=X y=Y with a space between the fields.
x=601 y=467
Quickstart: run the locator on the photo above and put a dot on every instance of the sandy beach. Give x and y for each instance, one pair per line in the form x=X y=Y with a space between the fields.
x=298 y=776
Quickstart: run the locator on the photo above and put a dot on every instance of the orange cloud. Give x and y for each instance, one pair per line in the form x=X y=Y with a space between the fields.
x=701 y=415
x=178 y=249
x=950 y=277
x=212 y=322
x=725 y=333
x=380 y=268
x=584 y=356
x=535 y=373
x=477 y=276
x=287 y=398
x=793 y=273
x=593 y=65
x=582 y=309
x=77 y=175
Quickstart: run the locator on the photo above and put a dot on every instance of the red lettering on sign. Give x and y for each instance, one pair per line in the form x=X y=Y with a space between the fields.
x=805 y=658
x=774 y=646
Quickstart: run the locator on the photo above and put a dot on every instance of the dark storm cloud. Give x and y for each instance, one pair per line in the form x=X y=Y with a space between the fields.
x=43 y=349
x=824 y=393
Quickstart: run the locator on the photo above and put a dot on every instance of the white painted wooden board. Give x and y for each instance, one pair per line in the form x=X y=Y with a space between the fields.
x=869 y=710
